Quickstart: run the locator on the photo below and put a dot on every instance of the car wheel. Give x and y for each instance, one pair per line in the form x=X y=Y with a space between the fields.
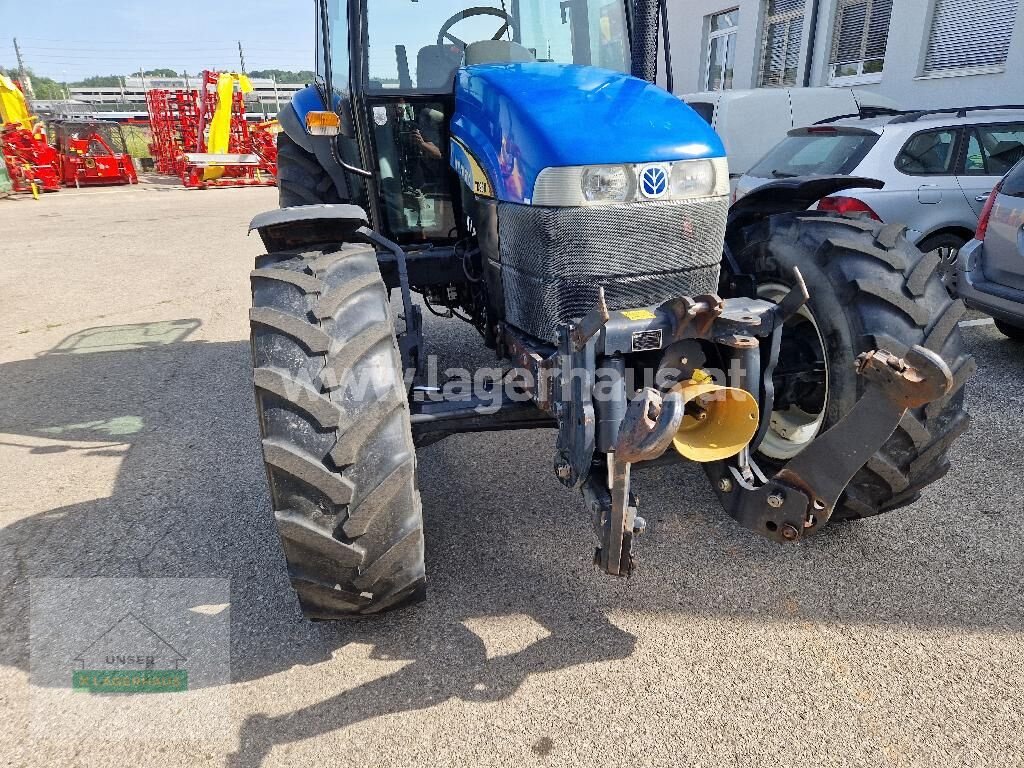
x=1014 y=332
x=946 y=247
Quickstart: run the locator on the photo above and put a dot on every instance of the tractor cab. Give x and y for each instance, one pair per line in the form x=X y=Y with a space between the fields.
x=395 y=65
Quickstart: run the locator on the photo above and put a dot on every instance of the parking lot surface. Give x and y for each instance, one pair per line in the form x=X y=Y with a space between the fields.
x=128 y=448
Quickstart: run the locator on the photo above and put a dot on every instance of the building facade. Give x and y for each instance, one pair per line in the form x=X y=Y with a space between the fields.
x=920 y=53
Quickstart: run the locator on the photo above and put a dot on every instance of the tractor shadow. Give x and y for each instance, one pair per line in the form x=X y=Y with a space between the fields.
x=189 y=500
x=503 y=537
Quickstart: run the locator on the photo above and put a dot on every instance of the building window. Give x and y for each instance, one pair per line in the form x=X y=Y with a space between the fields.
x=859 y=40
x=721 y=50
x=783 y=35
x=970 y=35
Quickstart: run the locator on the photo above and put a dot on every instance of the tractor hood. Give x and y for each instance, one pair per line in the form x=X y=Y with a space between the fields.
x=514 y=120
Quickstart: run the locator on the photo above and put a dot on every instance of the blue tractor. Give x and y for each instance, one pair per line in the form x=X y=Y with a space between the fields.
x=514 y=165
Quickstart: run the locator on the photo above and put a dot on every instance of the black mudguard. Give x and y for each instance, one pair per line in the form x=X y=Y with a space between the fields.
x=287 y=228
x=789 y=196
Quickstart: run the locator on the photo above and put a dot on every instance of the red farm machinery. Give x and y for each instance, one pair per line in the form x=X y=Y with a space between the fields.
x=32 y=163
x=202 y=136
x=92 y=153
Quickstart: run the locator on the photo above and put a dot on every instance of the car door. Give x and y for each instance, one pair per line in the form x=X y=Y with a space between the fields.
x=933 y=198
x=991 y=150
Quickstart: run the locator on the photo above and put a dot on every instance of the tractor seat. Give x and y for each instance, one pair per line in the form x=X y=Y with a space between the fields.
x=436 y=65
x=497 y=52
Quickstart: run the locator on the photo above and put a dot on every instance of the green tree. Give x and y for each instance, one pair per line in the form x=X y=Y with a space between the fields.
x=45 y=88
x=284 y=75
x=101 y=81
x=157 y=73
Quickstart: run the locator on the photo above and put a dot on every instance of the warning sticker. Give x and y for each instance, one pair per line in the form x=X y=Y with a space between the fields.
x=638 y=314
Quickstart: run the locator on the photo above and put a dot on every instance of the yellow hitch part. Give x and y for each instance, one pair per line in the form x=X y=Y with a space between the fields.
x=719 y=422
x=219 y=141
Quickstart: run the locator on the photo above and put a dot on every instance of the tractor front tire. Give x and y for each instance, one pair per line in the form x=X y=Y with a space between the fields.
x=301 y=180
x=335 y=428
x=869 y=288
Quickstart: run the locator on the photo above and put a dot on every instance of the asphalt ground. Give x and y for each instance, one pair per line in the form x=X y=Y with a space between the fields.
x=128 y=449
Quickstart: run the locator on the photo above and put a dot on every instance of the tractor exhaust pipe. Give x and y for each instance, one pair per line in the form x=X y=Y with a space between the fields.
x=644 y=42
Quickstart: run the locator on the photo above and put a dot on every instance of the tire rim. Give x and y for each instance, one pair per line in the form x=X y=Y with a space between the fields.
x=947 y=266
x=792 y=428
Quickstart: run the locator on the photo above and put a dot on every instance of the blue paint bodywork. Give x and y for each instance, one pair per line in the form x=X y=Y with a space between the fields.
x=305 y=101
x=518 y=119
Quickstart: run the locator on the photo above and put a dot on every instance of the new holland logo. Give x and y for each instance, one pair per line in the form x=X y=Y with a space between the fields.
x=654 y=181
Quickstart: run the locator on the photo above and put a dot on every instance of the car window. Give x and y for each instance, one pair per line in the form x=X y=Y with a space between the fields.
x=703 y=108
x=928 y=152
x=818 y=153
x=1013 y=184
x=992 y=150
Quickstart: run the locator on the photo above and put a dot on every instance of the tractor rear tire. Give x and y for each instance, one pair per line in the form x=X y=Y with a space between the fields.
x=335 y=428
x=869 y=288
x=301 y=180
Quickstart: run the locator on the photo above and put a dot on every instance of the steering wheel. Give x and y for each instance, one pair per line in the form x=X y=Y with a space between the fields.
x=445 y=34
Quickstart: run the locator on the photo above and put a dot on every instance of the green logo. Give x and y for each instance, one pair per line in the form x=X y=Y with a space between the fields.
x=130 y=681
x=130 y=657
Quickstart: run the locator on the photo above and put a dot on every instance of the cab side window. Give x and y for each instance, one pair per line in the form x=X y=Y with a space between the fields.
x=992 y=150
x=928 y=153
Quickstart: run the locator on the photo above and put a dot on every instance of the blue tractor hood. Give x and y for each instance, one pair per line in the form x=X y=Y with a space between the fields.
x=517 y=119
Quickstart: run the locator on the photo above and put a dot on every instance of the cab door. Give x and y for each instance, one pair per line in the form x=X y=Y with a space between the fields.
x=991 y=151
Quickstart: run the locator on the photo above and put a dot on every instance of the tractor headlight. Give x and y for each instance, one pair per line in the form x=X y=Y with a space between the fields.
x=584 y=185
x=607 y=184
x=695 y=178
x=628 y=183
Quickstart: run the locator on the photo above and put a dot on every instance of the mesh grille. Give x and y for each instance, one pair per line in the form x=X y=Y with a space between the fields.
x=555 y=259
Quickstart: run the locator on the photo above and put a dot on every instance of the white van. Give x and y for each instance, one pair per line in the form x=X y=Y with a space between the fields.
x=753 y=121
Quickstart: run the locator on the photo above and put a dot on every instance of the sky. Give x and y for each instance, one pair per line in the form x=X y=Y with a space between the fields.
x=68 y=40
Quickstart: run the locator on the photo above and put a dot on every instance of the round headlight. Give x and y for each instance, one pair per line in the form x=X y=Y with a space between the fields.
x=695 y=178
x=607 y=184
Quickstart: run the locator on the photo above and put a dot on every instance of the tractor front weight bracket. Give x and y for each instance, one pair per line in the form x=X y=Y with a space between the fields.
x=802 y=495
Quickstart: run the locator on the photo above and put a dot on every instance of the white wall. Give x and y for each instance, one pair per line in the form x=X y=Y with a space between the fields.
x=901 y=80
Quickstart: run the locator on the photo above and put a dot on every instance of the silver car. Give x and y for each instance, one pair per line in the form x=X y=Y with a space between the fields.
x=990 y=268
x=937 y=166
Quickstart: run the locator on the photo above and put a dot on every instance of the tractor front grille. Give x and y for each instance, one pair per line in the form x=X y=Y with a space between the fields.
x=553 y=260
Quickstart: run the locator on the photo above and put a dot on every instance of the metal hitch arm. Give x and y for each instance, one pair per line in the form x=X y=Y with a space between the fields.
x=802 y=495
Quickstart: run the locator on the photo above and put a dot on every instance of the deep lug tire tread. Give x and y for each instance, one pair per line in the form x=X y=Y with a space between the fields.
x=889 y=296
x=339 y=453
x=301 y=180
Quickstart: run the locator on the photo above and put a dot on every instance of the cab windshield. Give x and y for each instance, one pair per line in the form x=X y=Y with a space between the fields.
x=418 y=44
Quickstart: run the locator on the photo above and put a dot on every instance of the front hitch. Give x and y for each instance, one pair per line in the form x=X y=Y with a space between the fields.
x=802 y=495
